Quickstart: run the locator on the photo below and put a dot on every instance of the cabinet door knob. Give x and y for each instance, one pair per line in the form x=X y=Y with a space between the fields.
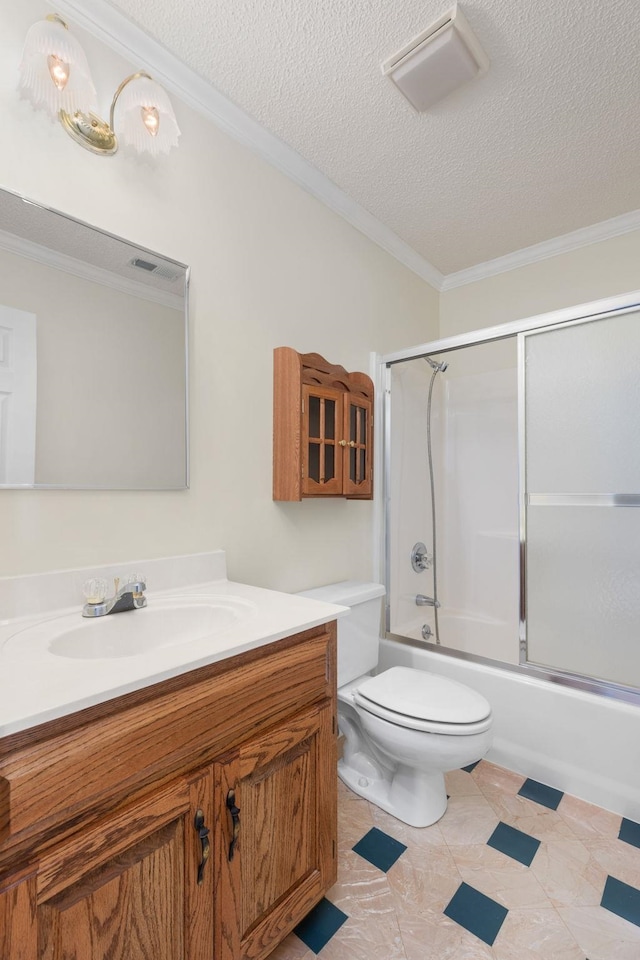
x=352 y=443
x=203 y=835
x=235 y=819
x=342 y=443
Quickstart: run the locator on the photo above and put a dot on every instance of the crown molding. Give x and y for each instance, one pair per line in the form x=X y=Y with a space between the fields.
x=605 y=230
x=133 y=44
x=86 y=271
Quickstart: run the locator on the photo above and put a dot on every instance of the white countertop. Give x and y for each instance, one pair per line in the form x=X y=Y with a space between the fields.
x=37 y=686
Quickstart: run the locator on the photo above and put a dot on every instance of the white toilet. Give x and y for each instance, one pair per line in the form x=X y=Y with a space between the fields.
x=404 y=727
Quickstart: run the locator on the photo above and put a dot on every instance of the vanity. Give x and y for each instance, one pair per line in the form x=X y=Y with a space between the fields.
x=177 y=803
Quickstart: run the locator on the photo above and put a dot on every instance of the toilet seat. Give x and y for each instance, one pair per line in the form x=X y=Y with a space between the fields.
x=422 y=701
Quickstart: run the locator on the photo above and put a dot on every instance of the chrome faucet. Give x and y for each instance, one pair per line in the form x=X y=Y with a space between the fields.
x=128 y=597
x=422 y=601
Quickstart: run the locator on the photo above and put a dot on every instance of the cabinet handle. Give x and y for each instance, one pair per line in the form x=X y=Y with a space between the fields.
x=352 y=443
x=203 y=835
x=342 y=443
x=235 y=819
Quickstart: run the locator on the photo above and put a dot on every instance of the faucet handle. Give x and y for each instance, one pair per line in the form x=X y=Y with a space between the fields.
x=95 y=590
x=137 y=580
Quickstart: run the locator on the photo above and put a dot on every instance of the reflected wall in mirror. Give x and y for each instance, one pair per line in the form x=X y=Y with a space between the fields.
x=93 y=357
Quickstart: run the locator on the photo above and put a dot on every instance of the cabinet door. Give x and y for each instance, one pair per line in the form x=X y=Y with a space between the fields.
x=126 y=888
x=277 y=795
x=358 y=463
x=322 y=441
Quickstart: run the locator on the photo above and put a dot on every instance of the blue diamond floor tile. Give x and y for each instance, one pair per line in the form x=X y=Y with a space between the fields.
x=379 y=849
x=320 y=924
x=478 y=914
x=630 y=832
x=514 y=843
x=621 y=899
x=541 y=793
x=471 y=766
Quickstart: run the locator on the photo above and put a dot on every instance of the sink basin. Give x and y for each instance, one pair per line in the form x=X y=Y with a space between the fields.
x=165 y=622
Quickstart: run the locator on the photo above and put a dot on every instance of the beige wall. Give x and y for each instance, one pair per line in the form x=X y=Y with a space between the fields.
x=270 y=266
x=602 y=269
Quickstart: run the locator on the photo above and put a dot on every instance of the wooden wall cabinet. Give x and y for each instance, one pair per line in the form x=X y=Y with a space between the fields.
x=204 y=826
x=322 y=429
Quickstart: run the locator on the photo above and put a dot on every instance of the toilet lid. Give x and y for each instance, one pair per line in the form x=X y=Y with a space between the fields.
x=425 y=696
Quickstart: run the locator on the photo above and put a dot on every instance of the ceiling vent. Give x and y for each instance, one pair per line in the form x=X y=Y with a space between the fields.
x=439 y=60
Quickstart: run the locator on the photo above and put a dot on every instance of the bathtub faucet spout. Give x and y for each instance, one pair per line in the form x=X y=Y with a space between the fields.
x=422 y=601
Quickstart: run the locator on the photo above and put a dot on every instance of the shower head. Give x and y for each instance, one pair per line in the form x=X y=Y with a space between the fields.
x=438 y=367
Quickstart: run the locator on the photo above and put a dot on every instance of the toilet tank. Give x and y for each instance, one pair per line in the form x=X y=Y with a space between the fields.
x=359 y=632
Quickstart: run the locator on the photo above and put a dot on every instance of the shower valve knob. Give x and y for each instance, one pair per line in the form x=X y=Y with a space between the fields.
x=420 y=557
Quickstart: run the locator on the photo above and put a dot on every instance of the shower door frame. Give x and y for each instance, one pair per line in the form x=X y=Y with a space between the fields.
x=595 y=310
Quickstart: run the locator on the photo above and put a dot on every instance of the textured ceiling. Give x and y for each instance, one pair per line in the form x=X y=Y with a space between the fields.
x=546 y=143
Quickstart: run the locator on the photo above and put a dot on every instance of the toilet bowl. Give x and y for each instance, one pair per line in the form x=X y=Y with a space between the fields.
x=403 y=728
x=414 y=726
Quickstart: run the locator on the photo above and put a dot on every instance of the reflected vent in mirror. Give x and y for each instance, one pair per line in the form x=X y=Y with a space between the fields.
x=164 y=271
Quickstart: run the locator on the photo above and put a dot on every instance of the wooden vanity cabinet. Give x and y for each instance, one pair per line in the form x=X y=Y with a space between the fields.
x=205 y=829
x=126 y=887
x=286 y=858
x=323 y=429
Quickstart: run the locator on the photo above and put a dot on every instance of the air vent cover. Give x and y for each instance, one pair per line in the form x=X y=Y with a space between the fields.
x=439 y=60
x=144 y=264
x=165 y=270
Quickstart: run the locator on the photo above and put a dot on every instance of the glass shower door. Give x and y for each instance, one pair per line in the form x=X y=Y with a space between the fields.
x=580 y=493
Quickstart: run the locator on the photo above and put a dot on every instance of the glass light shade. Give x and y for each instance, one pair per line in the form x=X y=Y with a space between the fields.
x=50 y=52
x=141 y=100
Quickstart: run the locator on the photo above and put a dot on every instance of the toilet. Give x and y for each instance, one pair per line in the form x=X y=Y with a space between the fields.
x=404 y=728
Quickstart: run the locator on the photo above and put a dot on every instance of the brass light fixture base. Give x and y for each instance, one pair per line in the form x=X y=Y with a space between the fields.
x=90 y=131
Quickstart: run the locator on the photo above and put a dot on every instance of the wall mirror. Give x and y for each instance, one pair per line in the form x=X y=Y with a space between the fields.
x=93 y=357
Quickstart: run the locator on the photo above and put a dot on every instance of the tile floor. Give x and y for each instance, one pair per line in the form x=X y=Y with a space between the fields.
x=513 y=871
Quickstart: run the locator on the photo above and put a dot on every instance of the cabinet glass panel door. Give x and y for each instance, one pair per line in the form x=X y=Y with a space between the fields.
x=358 y=467
x=322 y=463
x=581 y=497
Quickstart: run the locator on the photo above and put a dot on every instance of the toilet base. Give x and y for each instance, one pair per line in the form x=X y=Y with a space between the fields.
x=410 y=795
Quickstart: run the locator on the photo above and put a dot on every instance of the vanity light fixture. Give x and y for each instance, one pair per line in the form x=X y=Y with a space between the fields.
x=439 y=60
x=55 y=76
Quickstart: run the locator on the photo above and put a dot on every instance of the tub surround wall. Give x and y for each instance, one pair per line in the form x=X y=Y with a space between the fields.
x=410 y=502
x=478 y=510
x=475 y=457
x=270 y=266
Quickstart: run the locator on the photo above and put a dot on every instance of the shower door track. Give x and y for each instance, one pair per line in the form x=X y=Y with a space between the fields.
x=596 y=310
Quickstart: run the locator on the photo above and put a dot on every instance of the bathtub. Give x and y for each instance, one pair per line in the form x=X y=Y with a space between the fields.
x=579 y=742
